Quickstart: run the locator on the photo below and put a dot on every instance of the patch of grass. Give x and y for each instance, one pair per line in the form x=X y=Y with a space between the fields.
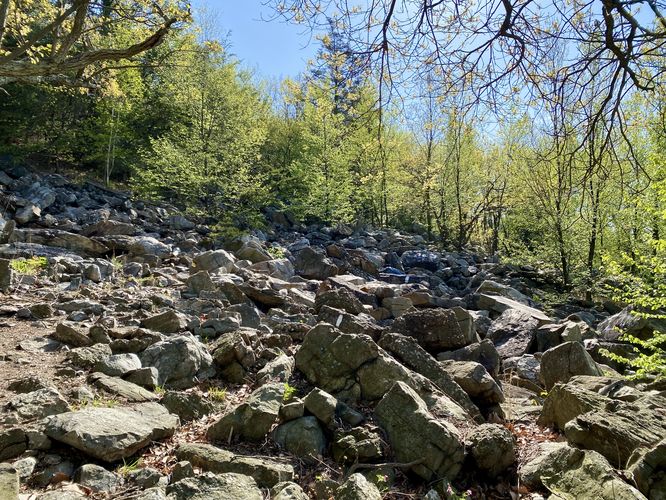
x=31 y=266
x=128 y=467
x=276 y=252
x=159 y=389
x=217 y=394
x=289 y=392
x=96 y=402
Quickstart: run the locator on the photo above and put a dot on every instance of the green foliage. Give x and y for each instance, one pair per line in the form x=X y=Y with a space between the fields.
x=289 y=392
x=31 y=266
x=217 y=394
x=641 y=282
x=129 y=467
x=650 y=360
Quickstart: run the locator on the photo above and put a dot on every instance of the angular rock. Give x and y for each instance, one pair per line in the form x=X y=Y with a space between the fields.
x=200 y=282
x=499 y=304
x=435 y=329
x=571 y=473
x=13 y=442
x=492 y=448
x=209 y=486
x=38 y=404
x=566 y=360
x=123 y=388
x=415 y=434
x=266 y=471
x=118 y=365
x=167 y=322
x=357 y=487
x=475 y=381
x=647 y=466
x=483 y=352
x=56 y=238
x=407 y=351
x=250 y=420
x=68 y=333
x=110 y=434
x=214 y=260
x=181 y=361
x=187 y=405
x=302 y=437
x=513 y=333
x=97 y=478
x=338 y=298
x=312 y=263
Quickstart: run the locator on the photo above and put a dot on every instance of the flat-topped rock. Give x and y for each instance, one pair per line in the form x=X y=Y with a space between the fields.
x=110 y=434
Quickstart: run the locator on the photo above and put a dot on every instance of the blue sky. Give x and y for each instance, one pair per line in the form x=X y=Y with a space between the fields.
x=273 y=49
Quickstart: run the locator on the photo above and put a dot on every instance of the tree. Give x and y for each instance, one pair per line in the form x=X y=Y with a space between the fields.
x=496 y=50
x=72 y=41
x=207 y=158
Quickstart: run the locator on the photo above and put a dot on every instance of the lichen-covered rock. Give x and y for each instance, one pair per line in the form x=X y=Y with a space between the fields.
x=266 y=471
x=251 y=420
x=209 y=486
x=357 y=487
x=412 y=355
x=302 y=437
x=571 y=473
x=435 y=329
x=492 y=448
x=415 y=434
x=648 y=468
x=564 y=361
x=110 y=434
x=181 y=361
x=475 y=381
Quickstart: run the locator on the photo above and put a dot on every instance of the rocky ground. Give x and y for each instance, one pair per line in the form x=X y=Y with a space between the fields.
x=144 y=359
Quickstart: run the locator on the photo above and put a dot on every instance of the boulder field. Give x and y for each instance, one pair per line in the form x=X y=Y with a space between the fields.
x=146 y=358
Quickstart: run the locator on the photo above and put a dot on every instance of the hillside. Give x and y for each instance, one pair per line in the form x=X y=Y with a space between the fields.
x=145 y=358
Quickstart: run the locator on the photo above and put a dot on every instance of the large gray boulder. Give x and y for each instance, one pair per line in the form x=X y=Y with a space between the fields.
x=626 y=321
x=110 y=434
x=571 y=473
x=609 y=426
x=266 y=471
x=303 y=437
x=181 y=361
x=437 y=329
x=168 y=321
x=513 y=333
x=213 y=260
x=492 y=448
x=408 y=352
x=416 y=435
x=313 y=263
x=564 y=361
x=648 y=468
x=209 y=486
x=357 y=487
x=251 y=420
x=475 y=381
